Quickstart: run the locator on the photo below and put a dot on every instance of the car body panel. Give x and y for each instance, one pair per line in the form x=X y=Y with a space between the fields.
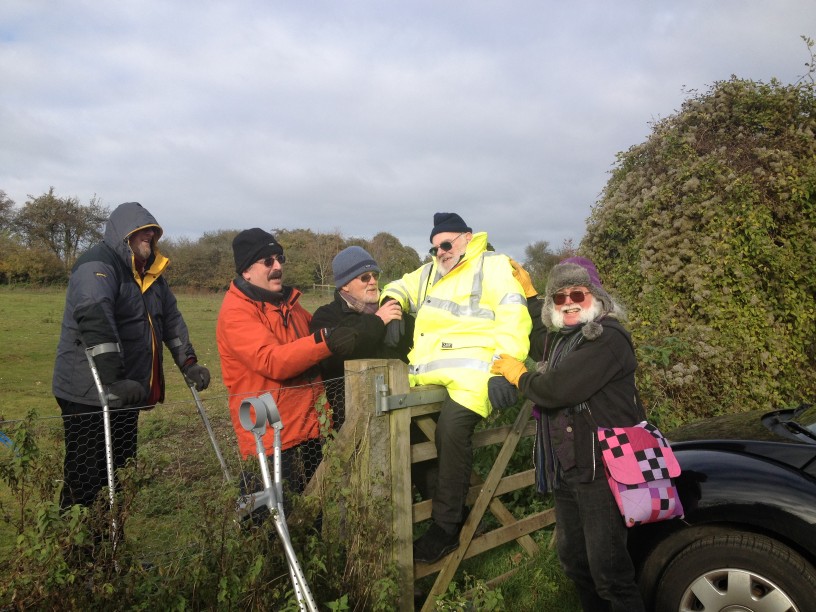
x=753 y=472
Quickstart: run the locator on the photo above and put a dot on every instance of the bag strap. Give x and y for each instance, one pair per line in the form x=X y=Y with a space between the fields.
x=590 y=418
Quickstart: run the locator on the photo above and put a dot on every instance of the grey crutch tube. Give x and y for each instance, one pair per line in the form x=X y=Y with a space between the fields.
x=265 y=411
x=206 y=421
x=103 y=399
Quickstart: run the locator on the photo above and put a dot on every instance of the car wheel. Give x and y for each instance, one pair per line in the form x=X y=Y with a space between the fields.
x=737 y=571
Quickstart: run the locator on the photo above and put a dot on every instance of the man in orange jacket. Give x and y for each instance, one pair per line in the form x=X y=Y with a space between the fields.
x=265 y=346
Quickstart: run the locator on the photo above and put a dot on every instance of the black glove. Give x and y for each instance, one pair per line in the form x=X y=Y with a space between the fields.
x=394 y=331
x=502 y=392
x=125 y=393
x=341 y=340
x=197 y=375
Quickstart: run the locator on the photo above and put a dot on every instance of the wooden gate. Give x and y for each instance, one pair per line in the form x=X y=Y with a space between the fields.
x=380 y=406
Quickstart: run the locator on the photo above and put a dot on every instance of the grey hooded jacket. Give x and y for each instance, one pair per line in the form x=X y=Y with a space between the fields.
x=105 y=304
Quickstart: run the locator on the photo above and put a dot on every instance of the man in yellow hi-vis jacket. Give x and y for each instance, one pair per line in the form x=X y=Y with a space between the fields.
x=469 y=309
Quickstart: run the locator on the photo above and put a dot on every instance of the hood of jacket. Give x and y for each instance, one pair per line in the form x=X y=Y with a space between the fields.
x=124 y=220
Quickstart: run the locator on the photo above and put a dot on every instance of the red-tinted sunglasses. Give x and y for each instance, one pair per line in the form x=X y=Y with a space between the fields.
x=576 y=296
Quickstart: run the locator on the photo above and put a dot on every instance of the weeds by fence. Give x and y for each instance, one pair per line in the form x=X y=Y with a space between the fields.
x=182 y=546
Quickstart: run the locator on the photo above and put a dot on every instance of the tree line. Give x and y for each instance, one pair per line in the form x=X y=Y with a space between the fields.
x=41 y=240
x=706 y=232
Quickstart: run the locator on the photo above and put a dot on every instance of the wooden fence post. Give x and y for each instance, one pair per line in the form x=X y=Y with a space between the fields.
x=402 y=502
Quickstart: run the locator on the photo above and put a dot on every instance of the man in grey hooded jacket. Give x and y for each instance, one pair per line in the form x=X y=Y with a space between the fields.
x=119 y=303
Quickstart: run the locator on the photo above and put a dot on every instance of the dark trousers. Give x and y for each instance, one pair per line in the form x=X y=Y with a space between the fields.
x=85 y=470
x=335 y=393
x=454 y=448
x=299 y=463
x=592 y=545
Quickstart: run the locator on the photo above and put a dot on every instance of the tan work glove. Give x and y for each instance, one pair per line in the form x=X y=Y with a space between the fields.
x=523 y=277
x=509 y=367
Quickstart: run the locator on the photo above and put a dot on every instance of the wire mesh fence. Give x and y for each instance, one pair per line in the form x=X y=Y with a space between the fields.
x=178 y=503
x=170 y=461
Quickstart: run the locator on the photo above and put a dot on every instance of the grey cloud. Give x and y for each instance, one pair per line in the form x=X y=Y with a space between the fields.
x=362 y=117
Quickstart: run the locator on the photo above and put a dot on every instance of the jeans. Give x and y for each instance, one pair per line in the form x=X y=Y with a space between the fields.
x=591 y=544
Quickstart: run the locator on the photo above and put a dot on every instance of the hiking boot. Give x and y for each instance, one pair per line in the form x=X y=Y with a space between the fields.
x=434 y=544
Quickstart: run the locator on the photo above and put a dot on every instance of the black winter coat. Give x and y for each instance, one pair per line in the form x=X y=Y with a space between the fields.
x=369 y=341
x=369 y=346
x=105 y=304
x=600 y=373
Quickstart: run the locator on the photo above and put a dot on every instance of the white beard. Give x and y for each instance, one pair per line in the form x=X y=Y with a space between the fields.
x=587 y=315
x=372 y=297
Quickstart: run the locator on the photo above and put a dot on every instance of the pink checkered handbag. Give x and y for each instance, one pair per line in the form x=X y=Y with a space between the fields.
x=640 y=467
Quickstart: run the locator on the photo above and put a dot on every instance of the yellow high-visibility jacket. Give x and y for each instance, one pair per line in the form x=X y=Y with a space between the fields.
x=463 y=320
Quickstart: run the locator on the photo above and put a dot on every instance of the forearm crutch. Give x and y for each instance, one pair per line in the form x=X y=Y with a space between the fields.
x=254 y=415
x=90 y=352
x=206 y=421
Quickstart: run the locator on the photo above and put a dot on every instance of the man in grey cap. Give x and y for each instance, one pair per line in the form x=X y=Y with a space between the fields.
x=356 y=306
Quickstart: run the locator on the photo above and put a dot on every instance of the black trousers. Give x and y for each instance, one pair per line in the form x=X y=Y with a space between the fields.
x=299 y=463
x=591 y=545
x=454 y=449
x=85 y=467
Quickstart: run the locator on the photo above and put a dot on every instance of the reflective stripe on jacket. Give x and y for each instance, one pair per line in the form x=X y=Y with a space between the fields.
x=463 y=320
x=268 y=347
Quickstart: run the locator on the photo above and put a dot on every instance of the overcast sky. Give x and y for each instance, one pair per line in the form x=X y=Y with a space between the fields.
x=362 y=116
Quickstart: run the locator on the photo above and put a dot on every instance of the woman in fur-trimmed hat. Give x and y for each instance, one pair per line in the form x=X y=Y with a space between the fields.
x=586 y=379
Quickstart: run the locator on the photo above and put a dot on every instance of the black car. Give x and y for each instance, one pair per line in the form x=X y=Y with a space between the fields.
x=748 y=538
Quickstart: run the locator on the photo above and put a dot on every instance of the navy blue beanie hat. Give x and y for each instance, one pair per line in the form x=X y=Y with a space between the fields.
x=448 y=222
x=350 y=263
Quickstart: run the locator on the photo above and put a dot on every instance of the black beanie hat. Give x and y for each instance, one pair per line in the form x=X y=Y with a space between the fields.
x=251 y=245
x=448 y=222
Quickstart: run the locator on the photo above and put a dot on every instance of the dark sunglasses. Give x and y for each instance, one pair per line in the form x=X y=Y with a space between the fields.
x=576 y=296
x=270 y=261
x=444 y=246
x=367 y=276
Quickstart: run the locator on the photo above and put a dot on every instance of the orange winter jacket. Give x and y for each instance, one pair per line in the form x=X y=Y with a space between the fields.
x=268 y=347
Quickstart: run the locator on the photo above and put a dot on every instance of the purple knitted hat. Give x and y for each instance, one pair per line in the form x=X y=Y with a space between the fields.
x=587 y=265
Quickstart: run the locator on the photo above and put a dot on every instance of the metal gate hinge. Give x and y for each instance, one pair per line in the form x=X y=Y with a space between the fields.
x=387 y=403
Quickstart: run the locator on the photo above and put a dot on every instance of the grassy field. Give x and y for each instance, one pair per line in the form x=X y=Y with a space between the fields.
x=29 y=331
x=182 y=459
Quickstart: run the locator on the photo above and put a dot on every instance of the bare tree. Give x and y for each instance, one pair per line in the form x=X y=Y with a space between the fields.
x=323 y=251
x=61 y=225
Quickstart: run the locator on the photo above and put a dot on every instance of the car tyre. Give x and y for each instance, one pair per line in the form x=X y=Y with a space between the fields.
x=739 y=570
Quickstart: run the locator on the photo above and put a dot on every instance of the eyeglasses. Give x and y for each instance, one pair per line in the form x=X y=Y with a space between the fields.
x=576 y=296
x=270 y=261
x=368 y=276
x=444 y=246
